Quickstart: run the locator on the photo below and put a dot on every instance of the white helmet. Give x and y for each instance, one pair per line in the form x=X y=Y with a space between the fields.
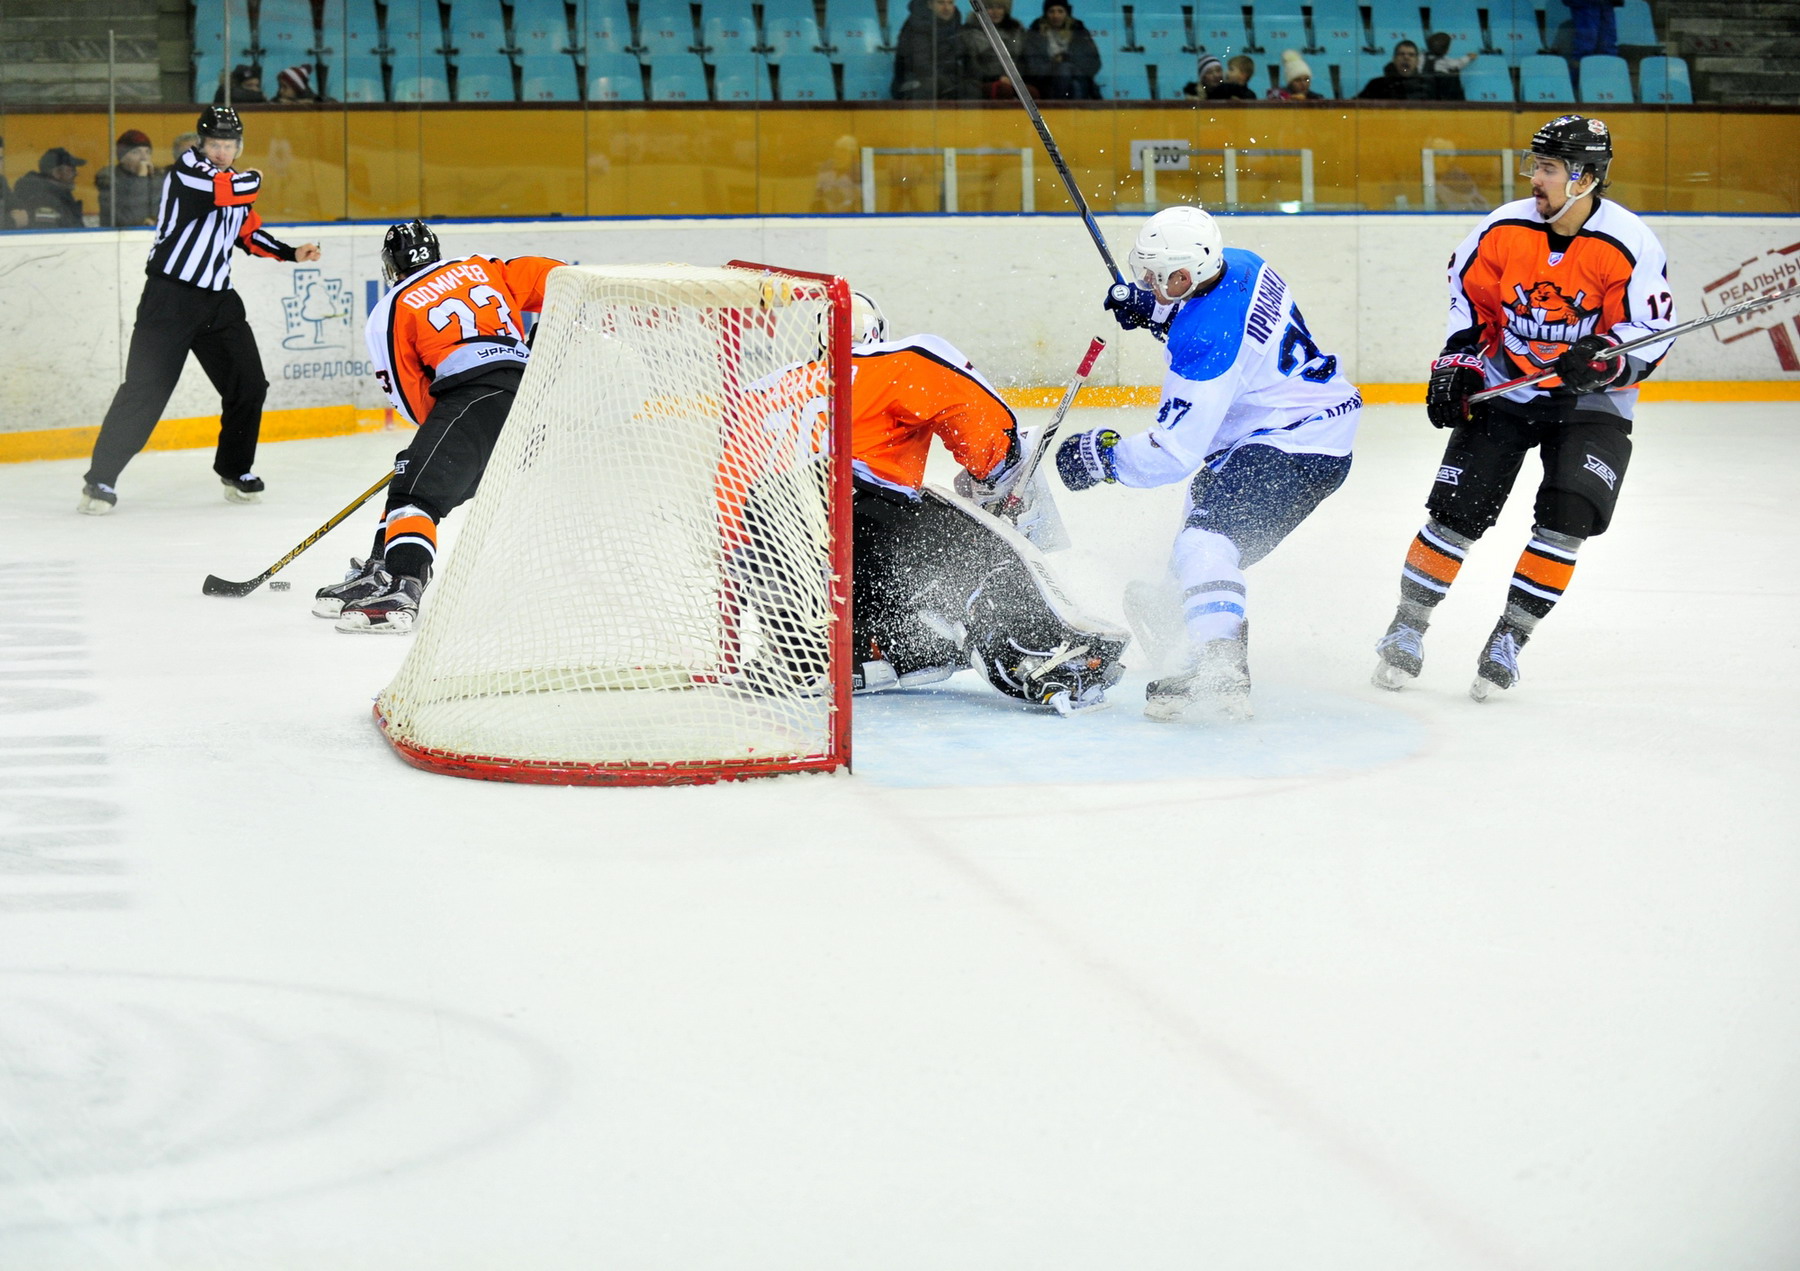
x=868 y=325
x=1178 y=238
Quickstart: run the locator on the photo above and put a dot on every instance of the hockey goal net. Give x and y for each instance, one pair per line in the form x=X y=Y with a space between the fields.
x=652 y=585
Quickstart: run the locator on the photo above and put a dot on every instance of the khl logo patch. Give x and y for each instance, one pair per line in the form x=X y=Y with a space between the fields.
x=1449 y=476
x=1598 y=467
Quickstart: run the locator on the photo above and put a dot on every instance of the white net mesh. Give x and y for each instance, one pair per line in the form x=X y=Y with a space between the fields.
x=645 y=577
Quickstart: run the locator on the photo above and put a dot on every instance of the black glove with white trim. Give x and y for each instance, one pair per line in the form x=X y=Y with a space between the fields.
x=1133 y=307
x=1455 y=377
x=1588 y=366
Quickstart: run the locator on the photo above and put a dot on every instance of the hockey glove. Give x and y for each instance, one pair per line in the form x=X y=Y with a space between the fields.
x=1086 y=459
x=1133 y=307
x=1587 y=367
x=1454 y=378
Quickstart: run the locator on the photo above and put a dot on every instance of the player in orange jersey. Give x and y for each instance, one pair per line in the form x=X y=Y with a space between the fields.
x=1552 y=281
x=448 y=345
x=938 y=582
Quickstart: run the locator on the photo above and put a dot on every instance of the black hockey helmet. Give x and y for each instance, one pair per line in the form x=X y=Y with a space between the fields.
x=408 y=246
x=1582 y=143
x=221 y=122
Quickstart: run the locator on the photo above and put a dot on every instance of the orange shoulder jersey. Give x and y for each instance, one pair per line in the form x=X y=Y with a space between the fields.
x=905 y=392
x=451 y=321
x=1521 y=296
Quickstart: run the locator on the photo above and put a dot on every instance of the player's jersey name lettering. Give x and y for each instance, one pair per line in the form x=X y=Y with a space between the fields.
x=443 y=284
x=1265 y=310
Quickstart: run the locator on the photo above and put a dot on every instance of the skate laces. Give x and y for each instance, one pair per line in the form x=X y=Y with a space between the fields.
x=1404 y=639
x=1504 y=649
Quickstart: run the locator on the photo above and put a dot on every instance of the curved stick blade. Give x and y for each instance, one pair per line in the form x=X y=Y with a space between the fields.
x=216 y=586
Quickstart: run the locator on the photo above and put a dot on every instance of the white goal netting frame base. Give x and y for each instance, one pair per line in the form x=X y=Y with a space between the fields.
x=651 y=586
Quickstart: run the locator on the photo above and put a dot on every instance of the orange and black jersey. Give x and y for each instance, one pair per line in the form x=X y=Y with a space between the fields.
x=451 y=321
x=1521 y=295
x=905 y=392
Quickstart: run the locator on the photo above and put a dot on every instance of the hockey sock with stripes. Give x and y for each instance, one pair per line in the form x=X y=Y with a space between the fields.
x=1432 y=563
x=411 y=544
x=1212 y=586
x=1542 y=575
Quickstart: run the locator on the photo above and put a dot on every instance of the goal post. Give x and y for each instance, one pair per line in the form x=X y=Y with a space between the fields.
x=652 y=585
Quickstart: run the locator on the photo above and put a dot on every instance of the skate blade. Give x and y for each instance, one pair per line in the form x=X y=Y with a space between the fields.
x=93 y=507
x=358 y=623
x=1169 y=710
x=1391 y=677
x=327 y=608
x=1481 y=689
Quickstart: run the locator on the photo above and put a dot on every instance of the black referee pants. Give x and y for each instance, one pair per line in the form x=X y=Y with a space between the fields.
x=174 y=319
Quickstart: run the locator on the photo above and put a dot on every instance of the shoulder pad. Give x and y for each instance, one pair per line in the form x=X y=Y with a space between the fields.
x=1206 y=334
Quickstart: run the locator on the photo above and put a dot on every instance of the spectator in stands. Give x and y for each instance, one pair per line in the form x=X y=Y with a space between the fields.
x=1236 y=84
x=1437 y=55
x=1061 y=59
x=128 y=191
x=1296 y=80
x=986 y=75
x=1596 y=29
x=1400 y=79
x=182 y=144
x=839 y=186
x=1212 y=72
x=246 y=86
x=294 y=85
x=45 y=199
x=928 y=64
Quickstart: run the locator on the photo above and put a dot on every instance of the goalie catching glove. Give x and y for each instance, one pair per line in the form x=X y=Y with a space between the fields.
x=1455 y=377
x=1086 y=459
x=1588 y=367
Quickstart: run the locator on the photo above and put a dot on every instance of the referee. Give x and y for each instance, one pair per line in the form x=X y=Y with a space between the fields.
x=188 y=305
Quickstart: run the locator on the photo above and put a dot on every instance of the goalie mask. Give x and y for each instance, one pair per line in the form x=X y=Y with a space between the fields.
x=1584 y=144
x=1178 y=238
x=868 y=325
x=408 y=247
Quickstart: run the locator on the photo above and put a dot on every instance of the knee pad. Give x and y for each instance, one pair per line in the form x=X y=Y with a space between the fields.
x=1565 y=512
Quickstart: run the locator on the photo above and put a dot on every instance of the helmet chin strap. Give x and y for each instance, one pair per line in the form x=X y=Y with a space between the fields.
x=1570 y=198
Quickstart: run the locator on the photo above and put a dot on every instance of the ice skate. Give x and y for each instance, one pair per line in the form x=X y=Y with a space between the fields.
x=245 y=489
x=392 y=611
x=359 y=584
x=1499 y=665
x=1402 y=654
x=1216 y=678
x=96 y=499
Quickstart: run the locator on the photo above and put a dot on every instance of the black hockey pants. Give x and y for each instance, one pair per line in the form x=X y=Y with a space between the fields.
x=441 y=469
x=174 y=319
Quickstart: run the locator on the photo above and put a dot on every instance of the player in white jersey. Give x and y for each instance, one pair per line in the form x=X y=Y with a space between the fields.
x=1252 y=411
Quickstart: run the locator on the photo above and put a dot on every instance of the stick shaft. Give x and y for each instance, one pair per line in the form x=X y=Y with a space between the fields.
x=219 y=587
x=1043 y=132
x=1655 y=337
x=1012 y=504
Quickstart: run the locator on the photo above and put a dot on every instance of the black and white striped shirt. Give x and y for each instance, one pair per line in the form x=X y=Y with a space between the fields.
x=205 y=212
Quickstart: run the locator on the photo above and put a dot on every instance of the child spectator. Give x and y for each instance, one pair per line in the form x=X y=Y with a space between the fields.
x=294 y=85
x=1296 y=80
x=1437 y=55
x=1236 y=84
x=1212 y=72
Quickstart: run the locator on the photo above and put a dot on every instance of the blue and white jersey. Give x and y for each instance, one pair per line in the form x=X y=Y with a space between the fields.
x=1242 y=369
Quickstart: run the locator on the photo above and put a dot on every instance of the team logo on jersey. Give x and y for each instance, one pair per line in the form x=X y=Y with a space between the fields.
x=1596 y=465
x=1449 y=476
x=317 y=313
x=1542 y=323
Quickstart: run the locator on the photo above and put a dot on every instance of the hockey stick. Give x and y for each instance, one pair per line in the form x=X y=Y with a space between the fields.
x=1011 y=506
x=1043 y=132
x=216 y=586
x=1657 y=337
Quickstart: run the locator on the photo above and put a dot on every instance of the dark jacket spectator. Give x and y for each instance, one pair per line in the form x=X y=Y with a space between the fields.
x=129 y=190
x=1061 y=60
x=928 y=61
x=1402 y=81
x=1236 y=84
x=982 y=65
x=1211 y=72
x=1296 y=80
x=45 y=199
x=246 y=86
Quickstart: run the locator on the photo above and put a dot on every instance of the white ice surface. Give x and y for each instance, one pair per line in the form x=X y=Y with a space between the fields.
x=1374 y=983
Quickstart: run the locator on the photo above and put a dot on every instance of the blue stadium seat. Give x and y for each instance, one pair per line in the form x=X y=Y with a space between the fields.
x=1103 y=21
x=210 y=54
x=665 y=27
x=614 y=77
x=1274 y=31
x=1391 y=21
x=1635 y=25
x=484 y=88
x=351 y=49
x=421 y=88
x=1487 y=80
x=1664 y=80
x=540 y=26
x=359 y=88
x=1559 y=26
x=477 y=26
x=284 y=32
x=1219 y=28
x=1345 y=63
x=724 y=37
x=1544 y=77
x=739 y=77
x=790 y=9
x=416 y=38
x=1173 y=72
x=1162 y=32
x=1605 y=79
x=1513 y=29
x=1125 y=78
x=852 y=26
x=548 y=77
x=868 y=77
x=807 y=78
x=603 y=26
x=1458 y=20
x=787 y=34
x=677 y=77
x=1337 y=27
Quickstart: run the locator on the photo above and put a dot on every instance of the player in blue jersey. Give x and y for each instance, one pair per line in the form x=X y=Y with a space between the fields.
x=1252 y=411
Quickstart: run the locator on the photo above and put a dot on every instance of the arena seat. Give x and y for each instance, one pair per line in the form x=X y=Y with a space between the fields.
x=740 y=77
x=1544 y=77
x=614 y=77
x=548 y=77
x=421 y=88
x=852 y=26
x=807 y=77
x=285 y=34
x=1664 y=81
x=1605 y=79
x=1161 y=32
x=1125 y=78
x=1173 y=72
x=1391 y=21
x=1272 y=31
x=787 y=34
x=677 y=77
x=604 y=28
x=1487 y=80
x=540 y=26
x=665 y=27
x=484 y=87
x=1635 y=25
x=727 y=27
x=1219 y=28
x=868 y=77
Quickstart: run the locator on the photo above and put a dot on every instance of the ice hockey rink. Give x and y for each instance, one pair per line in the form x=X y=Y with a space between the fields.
x=1375 y=982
